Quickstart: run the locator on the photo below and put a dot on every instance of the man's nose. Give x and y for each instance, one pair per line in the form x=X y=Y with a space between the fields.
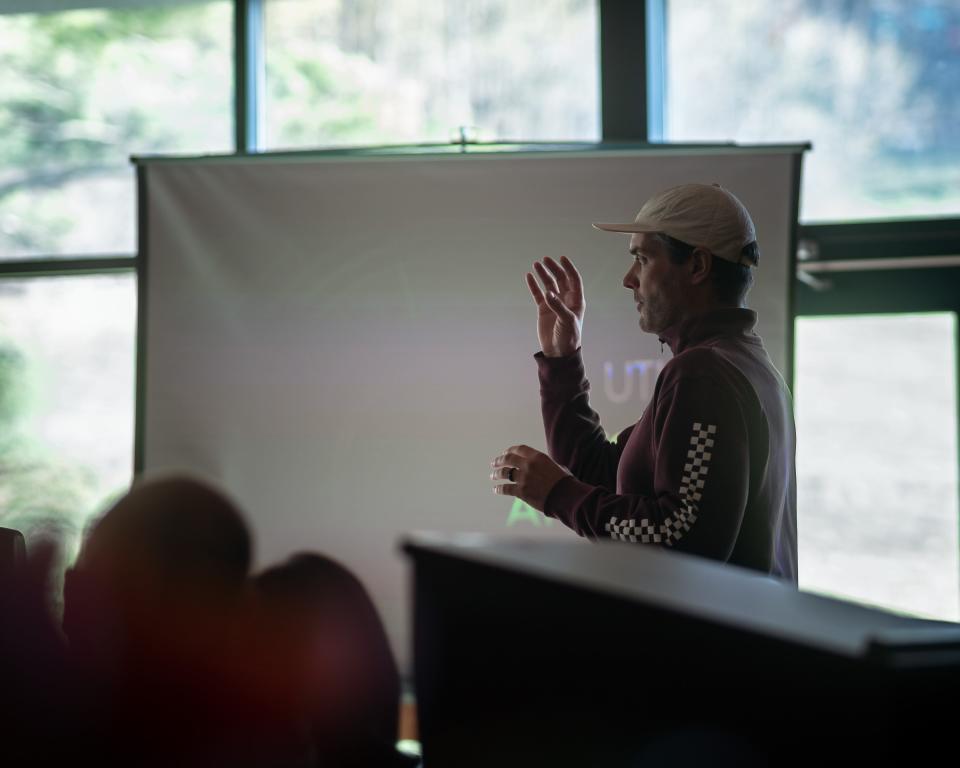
x=630 y=279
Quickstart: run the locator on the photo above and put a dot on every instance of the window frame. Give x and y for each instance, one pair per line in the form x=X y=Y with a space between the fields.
x=632 y=92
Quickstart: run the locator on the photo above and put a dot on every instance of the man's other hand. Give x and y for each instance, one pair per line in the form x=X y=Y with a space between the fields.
x=560 y=305
x=526 y=473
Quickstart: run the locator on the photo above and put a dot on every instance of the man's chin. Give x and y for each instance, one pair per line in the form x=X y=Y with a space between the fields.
x=646 y=327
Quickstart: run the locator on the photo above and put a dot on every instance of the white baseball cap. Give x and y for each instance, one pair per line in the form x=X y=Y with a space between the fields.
x=704 y=215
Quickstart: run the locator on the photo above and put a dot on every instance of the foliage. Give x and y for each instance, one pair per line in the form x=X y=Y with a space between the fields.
x=84 y=90
x=409 y=72
x=38 y=494
x=11 y=391
x=872 y=85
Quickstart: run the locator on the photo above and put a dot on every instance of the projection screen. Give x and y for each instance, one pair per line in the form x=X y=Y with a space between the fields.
x=344 y=343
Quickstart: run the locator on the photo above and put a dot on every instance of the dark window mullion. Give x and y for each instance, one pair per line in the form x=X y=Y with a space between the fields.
x=884 y=239
x=58 y=267
x=623 y=70
x=248 y=74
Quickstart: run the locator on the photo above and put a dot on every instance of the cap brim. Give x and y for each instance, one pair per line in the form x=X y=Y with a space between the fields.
x=630 y=228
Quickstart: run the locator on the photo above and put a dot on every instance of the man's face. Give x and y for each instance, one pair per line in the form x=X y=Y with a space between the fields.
x=656 y=283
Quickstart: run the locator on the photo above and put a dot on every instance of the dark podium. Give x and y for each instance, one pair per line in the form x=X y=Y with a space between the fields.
x=550 y=653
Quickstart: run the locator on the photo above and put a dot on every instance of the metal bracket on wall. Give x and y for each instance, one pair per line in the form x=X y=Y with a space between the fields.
x=807 y=251
x=872 y=265
x=805 y=271
x=810 y=266
x=815 y=283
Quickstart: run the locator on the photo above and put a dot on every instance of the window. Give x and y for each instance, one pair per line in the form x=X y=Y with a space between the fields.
x=87 y=84
x=66 y=400
x=405 y=71
x=877 y=460
x=873 y=84
x=83 y=90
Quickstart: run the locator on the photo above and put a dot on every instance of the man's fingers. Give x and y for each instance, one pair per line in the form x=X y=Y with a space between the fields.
x=504 y=473
x=558 y=272
x=506 y=489
x=506 y=460
x=548 y=280
x=515 y=456
x=573 y=274
x=535 y=291
x=560 y=309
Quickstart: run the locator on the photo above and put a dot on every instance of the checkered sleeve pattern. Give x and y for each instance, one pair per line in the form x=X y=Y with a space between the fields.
x=674 y=527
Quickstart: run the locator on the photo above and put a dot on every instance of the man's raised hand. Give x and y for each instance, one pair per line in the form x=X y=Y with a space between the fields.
x=560 y=305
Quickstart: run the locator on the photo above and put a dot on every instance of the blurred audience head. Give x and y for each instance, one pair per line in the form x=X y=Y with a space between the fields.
x=169 y=546
x=151 y=608
x=334 y=658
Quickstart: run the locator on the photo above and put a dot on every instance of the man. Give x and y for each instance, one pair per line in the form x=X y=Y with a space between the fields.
x=710 y=467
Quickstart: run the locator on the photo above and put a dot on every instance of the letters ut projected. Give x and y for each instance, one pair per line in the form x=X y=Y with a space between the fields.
x=639 y=380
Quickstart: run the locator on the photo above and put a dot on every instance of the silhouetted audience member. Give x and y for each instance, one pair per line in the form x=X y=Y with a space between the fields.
x=333 y=662
x=153 y=613
x=175 y=658
x=36 y=696
x=13 y=553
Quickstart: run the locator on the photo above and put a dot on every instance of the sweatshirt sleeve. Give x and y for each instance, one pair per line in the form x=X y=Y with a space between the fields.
x=575 y=438
x=701 y=479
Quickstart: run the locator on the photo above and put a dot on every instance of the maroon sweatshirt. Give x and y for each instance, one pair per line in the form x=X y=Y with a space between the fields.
x=710 y=467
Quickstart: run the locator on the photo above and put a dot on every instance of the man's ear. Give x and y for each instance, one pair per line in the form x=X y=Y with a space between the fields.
x=701 y=262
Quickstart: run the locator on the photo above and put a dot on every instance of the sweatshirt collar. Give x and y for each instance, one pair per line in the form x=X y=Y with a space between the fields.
x=717 y=323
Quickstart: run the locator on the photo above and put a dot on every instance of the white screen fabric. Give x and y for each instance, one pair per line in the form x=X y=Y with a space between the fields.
x=345 y=343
